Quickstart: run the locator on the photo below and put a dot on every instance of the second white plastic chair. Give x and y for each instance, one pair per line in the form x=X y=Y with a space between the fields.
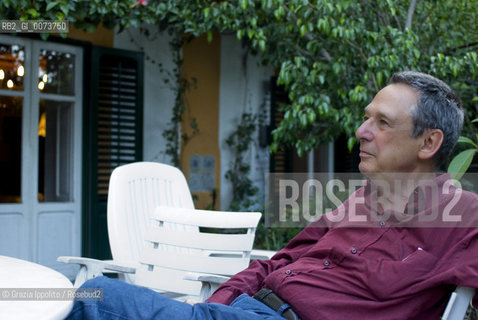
x=135 y=190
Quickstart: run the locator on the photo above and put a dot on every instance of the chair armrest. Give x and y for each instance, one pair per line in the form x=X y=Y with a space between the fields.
x=210 y=282
x=206 y=218
x=206 y=277
x=92 y=268
x=458 y=303
x=107 y=265
x=262 y=254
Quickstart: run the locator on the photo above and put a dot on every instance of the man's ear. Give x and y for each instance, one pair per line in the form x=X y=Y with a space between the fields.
x=432 y=141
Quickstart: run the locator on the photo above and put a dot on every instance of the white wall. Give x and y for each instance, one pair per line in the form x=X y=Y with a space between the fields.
x=158 y=98
x=243 y=88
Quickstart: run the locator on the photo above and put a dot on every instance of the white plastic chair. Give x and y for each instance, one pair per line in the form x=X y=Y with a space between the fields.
x=458 y=303
x=172 y=258
x=135 y=190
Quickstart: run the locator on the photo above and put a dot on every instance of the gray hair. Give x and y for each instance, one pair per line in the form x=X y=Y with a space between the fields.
x=438 y=108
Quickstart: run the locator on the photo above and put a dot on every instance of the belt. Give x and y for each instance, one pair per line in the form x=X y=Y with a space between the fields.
x=273 y=301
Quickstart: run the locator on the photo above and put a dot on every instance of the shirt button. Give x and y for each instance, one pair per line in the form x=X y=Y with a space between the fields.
x=288 y=272
x=353 y=250
x=382 y=223
x=326 y=263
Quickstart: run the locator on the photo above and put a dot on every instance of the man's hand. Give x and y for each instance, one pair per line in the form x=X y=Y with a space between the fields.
x=191 y=302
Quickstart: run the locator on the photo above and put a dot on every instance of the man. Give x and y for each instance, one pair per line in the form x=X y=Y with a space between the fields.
x=388 y=264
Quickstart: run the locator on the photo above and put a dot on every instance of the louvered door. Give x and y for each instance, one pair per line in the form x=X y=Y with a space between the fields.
x=115 y=135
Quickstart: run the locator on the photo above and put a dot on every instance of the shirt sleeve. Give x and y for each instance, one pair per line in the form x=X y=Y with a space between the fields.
x=464 y=266
x=466 y=272
x=250 y=280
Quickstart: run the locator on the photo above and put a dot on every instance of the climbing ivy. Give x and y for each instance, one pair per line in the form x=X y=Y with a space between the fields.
x=239 y=142
x=178 y=85
x=175 y=141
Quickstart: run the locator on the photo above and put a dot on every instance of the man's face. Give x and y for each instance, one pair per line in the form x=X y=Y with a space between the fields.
x=386 y=144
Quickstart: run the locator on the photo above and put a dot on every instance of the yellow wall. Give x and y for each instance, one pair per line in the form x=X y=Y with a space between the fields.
x=202 y=61
x=100 y=37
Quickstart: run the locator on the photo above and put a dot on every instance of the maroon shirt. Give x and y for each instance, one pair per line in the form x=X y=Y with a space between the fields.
x=378 y=270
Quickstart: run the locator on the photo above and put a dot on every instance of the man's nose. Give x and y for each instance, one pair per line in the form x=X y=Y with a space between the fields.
x=365 y=131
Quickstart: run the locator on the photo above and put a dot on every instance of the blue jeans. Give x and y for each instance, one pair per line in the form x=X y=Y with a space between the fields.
x=125 y=301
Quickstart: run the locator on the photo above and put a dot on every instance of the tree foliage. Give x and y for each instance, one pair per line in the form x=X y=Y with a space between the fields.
x=333 y=55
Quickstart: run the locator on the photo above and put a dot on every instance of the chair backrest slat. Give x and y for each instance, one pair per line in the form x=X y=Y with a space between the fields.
x=135 y=190
x=180 y=251
x=200 y=240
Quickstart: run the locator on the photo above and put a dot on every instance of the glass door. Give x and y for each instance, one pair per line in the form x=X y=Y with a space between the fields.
x=41 y=128
x=14 y=99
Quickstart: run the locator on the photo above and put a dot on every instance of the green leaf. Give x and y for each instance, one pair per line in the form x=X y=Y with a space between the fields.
x=206 y=12
x=462 y=139
x=250 y=33
x=303 y=29
x=239 y=34
x=461 y=163
x=455 y=70
x=312 y=116
x=303 y=120
x=351 y=142
x=60 y=15
x=379 y=78
x=262 y=45
x=416 y=52
x=33 y=13
x=64 y=8
x=51 y=5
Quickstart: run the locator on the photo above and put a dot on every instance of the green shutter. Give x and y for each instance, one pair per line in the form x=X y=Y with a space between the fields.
x=113 y=135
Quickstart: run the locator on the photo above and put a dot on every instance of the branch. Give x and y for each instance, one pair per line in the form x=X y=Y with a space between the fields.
x=411 y=10
x=364 y=57
x=382 y=17
x=397 y=21
x=324 y=57
x=356 y=46
x=464 y=46
x=325 y=54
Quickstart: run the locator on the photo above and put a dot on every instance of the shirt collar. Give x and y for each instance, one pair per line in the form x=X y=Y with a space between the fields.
x=425 y=195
